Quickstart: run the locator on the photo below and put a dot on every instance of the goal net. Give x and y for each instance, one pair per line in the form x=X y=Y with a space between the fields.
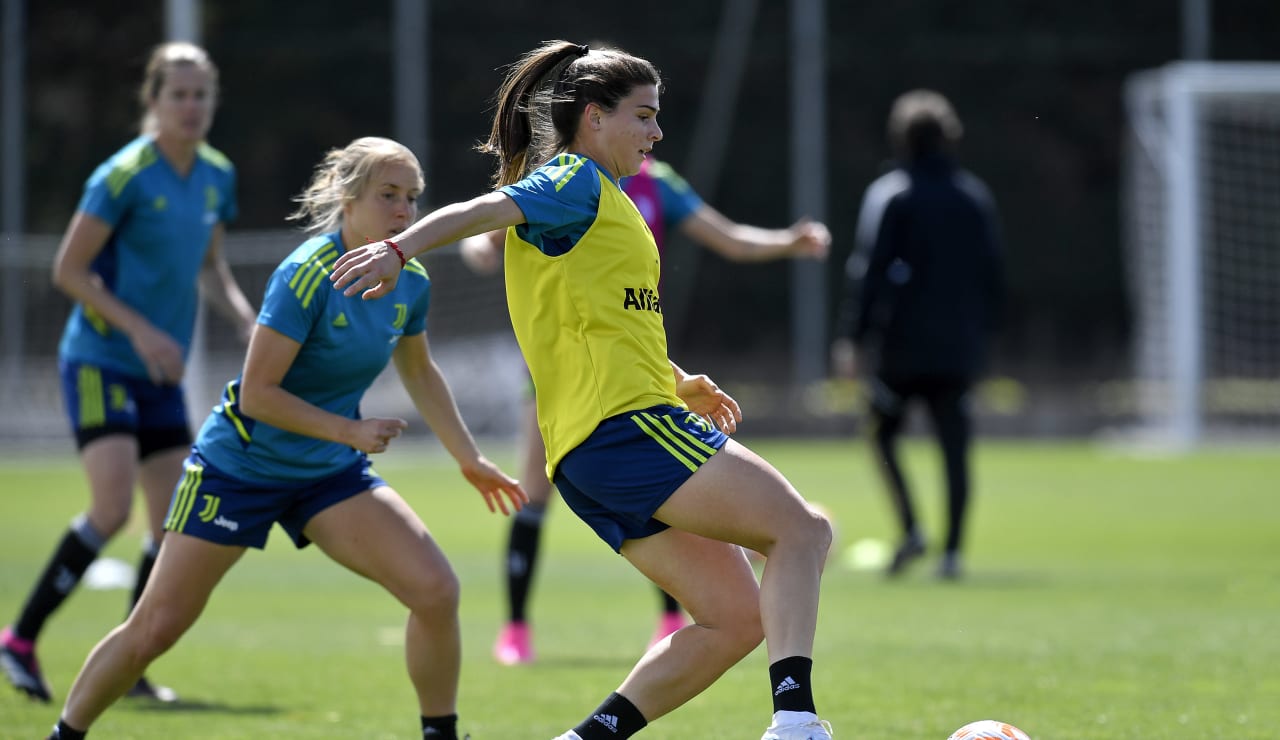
x=1202 y=212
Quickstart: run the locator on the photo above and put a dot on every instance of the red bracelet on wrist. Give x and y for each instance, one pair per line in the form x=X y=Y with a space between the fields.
x=396 y=248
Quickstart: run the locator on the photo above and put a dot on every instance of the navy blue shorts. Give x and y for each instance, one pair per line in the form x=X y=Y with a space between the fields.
x=630 y=466
x=231 y=511
x=100 y=402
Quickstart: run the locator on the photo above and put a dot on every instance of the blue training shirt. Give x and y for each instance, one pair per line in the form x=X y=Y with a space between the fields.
x=346 y=343
x=559 y=202
x=559 y=206
x=160 y=223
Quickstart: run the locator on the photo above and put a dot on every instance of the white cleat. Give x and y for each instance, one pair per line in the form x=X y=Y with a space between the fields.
x=816 y=729
x=570 y=735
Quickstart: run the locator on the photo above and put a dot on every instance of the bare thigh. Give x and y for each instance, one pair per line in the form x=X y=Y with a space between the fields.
x=712 y=580
x=185 y=574
x=377 y=535
x=738 y=497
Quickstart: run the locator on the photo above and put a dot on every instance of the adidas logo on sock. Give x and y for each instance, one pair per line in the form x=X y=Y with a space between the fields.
x=608 y=720
x=787 y=684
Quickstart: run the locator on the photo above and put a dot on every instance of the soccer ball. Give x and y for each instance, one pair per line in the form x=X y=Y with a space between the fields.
x=988 y=729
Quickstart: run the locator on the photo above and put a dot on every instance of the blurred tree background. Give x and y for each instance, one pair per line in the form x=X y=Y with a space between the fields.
x=1038 y=85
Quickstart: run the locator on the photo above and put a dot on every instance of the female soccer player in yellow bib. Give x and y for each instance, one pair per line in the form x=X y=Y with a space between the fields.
x=636 y=446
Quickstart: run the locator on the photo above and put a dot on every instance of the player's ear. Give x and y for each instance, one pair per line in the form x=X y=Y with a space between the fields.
x=592 y=116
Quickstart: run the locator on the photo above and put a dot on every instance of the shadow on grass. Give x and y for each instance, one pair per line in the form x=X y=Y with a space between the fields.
x=197 y=706
x=575 y=662
x=975 y=580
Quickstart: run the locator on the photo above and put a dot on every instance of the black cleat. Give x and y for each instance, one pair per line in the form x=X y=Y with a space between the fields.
x=144 y=689
x=18 y=661
x=949 y=568
x=910 y=549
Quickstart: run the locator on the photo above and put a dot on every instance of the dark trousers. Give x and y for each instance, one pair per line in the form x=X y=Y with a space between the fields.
x=946 y=400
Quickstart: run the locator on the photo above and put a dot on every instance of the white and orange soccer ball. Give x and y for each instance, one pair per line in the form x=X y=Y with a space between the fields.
x=988 y=729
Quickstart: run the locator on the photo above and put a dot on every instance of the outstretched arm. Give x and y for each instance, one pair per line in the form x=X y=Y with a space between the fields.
x=433 y=399
x=743 y=243
x=372 y=270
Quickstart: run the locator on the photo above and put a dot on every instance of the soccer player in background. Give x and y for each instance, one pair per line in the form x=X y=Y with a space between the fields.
x=666 y=202
x=148 y=229
x=636 y=446
x=924 y=288
x=287 y=444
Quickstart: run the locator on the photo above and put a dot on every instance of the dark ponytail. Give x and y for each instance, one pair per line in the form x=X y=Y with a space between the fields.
x=542 y=98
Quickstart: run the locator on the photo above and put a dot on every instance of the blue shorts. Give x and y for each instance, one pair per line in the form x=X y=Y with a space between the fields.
x=231 y=511
x=630 y=466
x=100 y=402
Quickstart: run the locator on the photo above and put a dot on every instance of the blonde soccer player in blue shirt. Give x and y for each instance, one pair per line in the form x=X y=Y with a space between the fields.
x=289 y=445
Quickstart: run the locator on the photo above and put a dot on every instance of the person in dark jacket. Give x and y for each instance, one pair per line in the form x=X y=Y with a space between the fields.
x=924 y=287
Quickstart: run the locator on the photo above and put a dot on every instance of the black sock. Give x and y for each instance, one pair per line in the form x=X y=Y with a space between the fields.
x=522 y=554
x=76 y=552
x=62 y=731
x=792 y=691
x=669 y=603
x=145 y=564
x=444 y=728
x=615 y=719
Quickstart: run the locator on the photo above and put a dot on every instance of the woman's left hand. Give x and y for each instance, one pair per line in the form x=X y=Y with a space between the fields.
x=705 y=398
x=494 y=484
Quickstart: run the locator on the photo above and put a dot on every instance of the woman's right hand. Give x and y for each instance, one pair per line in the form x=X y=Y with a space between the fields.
x=811 y=239
x=161 y=355
x=374 y=268
x=372 y=436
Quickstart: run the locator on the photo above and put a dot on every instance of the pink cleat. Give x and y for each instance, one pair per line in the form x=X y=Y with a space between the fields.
x=514 y=645
x=18 y=663
x=667 y=624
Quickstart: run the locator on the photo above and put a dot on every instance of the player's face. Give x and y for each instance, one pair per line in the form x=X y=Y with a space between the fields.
x=183 y=108
x=630 y=130
x=387 y=206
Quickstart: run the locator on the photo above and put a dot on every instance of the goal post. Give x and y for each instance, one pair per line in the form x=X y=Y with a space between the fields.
x=1201 y=203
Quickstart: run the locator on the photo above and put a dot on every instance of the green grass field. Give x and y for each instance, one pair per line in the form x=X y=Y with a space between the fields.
x=1106 y=597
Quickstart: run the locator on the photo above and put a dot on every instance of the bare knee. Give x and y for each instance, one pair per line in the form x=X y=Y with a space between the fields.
x=150 y=635
x=747 y=631
x=808 y=531
x=108 y=519
x=818 y=532
x=736 y=619
x=434 y=593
